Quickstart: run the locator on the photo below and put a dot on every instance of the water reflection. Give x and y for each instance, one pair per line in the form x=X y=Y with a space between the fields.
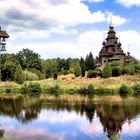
x=59 y=120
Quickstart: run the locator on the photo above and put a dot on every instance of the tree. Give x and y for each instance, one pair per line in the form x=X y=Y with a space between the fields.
x=83 y=67
x=107 y=71
x=19 y=76
x=55 y=76
x=9 y=64
x=29 y=60
x=77 y=70
x=90 y=62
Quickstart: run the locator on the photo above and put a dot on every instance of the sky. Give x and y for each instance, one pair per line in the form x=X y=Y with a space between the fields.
x=69 y=28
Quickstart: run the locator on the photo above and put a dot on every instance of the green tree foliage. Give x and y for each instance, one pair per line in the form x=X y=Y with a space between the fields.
x=90 y=62
x=62 y=63
x=129 y=69
x=9 y=64
x=19 y=77
x=29 y=60
x=30 y=76
x=107 y=71
x=83 y=67
x=77 y=70
x=72 y=64
x=49 y=67
x=137 y=67
x=55 y=76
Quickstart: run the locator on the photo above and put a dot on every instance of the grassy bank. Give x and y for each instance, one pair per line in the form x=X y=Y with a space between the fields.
x=72 y=85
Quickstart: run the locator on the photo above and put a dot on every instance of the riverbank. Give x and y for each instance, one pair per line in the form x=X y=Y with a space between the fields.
x=75 y=86
x=78 y=99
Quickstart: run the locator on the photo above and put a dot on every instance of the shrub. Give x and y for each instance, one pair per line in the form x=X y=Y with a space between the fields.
x=35 y=87
x=30 y=76
x=124 y=90
x=19 y=77
x=92 y=74
x=90 y=89
x=116 y=71
x=31 y=88
x=55 y=90
x=82 y=91
x=136 y=89
x=107 y=72
x=8 y=90
x=128 y=70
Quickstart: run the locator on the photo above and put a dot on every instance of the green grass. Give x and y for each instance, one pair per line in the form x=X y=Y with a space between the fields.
x=70 y=83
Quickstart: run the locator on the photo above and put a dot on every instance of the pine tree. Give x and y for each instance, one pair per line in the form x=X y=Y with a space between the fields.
x=83 y=67
x=19 y=77
x=77 y=70
x=107 y=71
x=90 y=62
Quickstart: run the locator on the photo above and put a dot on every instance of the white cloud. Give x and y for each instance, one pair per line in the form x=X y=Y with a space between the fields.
x=28 y=22
x=131 y=38
x=81 y=45
x=30 y=133
x=131 y=129
x=93 y=0
x=116 y=19
x=129 y=3
x=58 y=117
x=43 y=14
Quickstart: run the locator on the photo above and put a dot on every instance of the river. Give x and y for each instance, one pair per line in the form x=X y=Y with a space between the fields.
x=33 y=119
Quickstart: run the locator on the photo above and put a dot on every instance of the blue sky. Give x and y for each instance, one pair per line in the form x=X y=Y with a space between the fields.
x=69 y=28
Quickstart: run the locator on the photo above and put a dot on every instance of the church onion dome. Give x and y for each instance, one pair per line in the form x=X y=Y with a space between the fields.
x=119 y=44
x=104 y=43
x=115 y=42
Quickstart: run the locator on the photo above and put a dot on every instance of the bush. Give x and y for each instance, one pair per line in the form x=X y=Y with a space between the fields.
x=107 y=71
x=124 y=90
x=136 y=89
x=92 y=74
x=90 y=89
x=31 y=88
x=82 y=91
x=55 y=90
x=116 y=71
x=128 y=70
x=86 y=90
x=30 y=76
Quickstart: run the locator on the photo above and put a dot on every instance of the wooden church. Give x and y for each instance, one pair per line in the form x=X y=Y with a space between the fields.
x=111 y=50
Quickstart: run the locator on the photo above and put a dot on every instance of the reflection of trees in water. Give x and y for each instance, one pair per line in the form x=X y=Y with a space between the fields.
x=23 y=110
x=111 y=116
